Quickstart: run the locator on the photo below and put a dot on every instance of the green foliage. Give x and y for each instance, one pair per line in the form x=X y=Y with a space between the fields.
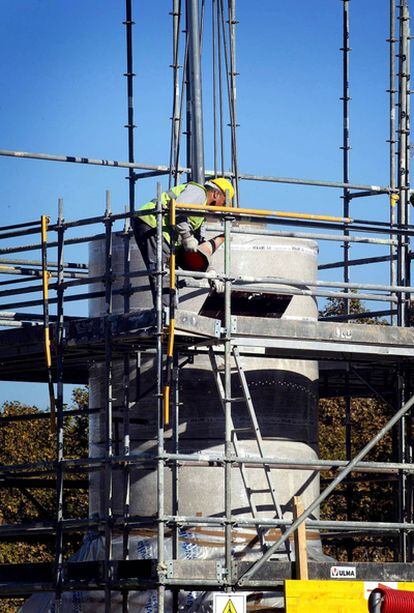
x=30 y=441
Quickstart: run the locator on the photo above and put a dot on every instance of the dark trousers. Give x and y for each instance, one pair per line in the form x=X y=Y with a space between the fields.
x=146 y=238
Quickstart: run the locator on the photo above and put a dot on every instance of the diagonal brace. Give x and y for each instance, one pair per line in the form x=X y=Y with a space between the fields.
x=343 y=474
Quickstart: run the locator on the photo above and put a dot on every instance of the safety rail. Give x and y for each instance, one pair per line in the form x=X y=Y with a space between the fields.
x=75 y=274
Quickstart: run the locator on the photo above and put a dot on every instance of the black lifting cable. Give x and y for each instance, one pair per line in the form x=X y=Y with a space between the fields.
x=201 y=26
x=179 y=93
x=176 y=110
x=176 y=162
x=232 y=74
x=214 y=84
x=220 y=85
x=230 y=95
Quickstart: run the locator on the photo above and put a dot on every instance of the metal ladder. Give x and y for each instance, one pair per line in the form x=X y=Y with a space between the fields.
x=261 y=531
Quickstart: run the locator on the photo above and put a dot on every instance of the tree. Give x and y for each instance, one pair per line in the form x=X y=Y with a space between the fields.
x=27 y=441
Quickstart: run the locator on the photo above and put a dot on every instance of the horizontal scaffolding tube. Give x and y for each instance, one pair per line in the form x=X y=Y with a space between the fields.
x=39 y=528
x=358 y=262
x=208 y=173
x=211 y=459
x=364 y=315
x=38 y=263
x=241 y=286
x=308 y=235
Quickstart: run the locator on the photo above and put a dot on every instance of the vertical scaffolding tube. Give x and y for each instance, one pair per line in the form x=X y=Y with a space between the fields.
x=108 y=406
x=392 y=142
x=402 y=249
x=346 y=246
x=345 y=142
x=126 y=407
x=194 y=85
x=408 y=128
x=160 y=408
x=59 y=406
x=233 y=108
x=46 y=331
x=227 y=403
x=409 y=451
x=176 y=467
x=402 y=155
x=130 y=91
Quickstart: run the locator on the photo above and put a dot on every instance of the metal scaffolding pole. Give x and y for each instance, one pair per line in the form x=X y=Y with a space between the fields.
x=392 y=140
x=195 y=87
x=403 y=161
x=60 y=290
x=233 y=109
x=155 y=170
x=410 y=449
x=402 y=249
x=127 y=401
x=345 y=142
x=346 y=245
x=130 y=95
x=175 y=470
x=227 y=405
x=108 y=494
x=161 y=568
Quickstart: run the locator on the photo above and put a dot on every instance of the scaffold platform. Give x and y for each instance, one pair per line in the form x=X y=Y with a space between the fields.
x=374 y=351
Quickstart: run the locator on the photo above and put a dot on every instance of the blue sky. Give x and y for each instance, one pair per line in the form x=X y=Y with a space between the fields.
x=63 y=92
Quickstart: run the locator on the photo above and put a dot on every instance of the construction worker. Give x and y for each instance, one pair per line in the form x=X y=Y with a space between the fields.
x=188 y=228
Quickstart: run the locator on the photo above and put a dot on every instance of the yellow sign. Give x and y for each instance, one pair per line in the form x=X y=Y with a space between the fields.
x=229 y=603
x=229 y=608
x=334 y=596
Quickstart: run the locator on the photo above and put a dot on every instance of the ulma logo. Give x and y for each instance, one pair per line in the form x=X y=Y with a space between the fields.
x=343 y=572
x=230 y=608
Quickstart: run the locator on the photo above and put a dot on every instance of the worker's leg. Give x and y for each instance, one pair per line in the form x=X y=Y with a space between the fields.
x=146 y=238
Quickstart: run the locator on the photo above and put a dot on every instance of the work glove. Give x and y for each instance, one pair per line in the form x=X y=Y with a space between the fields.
x=189 y=243
x=216 y=285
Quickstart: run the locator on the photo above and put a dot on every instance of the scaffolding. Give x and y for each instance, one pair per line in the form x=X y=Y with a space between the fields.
x=39 y=346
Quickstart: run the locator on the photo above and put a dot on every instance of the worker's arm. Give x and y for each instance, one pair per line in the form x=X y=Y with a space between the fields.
x=192 y=194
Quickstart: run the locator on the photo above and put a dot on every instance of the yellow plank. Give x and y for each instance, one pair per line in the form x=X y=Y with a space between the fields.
x=407 y=587
x=330 y=596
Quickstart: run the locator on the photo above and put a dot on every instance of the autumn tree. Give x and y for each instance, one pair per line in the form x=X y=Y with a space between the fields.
x=27 y=441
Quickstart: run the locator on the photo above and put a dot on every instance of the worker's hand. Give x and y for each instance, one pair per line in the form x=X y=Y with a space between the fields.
x=189 y=243
x=216 y=285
